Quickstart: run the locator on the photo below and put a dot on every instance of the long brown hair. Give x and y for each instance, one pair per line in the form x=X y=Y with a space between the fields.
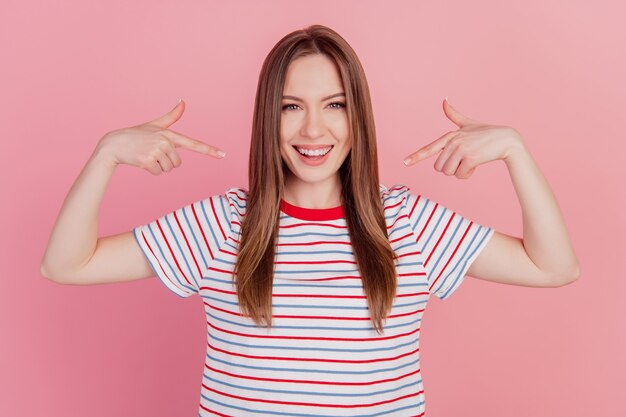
x=254 y=268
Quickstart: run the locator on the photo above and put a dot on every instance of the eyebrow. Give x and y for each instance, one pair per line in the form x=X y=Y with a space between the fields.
x=324 y=99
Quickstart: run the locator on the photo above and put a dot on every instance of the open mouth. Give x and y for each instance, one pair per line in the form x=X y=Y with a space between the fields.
x=313 y=157
x=314 y=153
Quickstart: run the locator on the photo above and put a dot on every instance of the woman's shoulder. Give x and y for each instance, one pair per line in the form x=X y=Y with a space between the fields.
x=394 y=200
x=235 y=198
x=394 y=193
x=236 y=193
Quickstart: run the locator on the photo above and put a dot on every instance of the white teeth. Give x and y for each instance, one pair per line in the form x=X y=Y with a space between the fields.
x=316 y=152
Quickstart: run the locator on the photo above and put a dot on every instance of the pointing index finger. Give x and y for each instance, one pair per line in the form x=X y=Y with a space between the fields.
x=430 y=149
x=186 y=142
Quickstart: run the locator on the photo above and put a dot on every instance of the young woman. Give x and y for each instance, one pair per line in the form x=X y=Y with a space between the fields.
x=315 y=279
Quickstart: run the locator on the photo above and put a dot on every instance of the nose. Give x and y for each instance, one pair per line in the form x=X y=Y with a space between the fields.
x=313 y=125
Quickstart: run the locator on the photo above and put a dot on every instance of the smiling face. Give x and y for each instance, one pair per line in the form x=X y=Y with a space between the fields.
x=313 y=119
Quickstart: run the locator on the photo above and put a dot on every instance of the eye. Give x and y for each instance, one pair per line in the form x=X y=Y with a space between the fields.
x=339 y=105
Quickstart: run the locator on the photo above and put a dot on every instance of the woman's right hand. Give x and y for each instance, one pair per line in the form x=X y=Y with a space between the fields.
x=152 y=146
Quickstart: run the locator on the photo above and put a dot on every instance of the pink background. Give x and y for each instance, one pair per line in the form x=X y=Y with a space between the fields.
x=74 y=70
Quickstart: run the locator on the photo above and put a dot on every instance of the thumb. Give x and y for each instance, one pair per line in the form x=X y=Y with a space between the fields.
x=171 y=116
x=455 y=116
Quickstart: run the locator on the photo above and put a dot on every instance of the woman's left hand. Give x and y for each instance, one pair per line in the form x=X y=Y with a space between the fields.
x=473 y=144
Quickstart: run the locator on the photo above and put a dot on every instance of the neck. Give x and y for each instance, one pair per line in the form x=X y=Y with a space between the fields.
x=318 y=195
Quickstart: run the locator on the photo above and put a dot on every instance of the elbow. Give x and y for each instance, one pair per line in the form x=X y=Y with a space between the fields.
x=45 y=272
x=568 y=277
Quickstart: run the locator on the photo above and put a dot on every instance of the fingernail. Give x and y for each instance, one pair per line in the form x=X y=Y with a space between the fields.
x=406 y=161
x=221 y=153
x=179 y=100
x=446 y=98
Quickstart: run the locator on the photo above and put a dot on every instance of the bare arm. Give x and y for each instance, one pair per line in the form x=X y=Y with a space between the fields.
x=75 y=233
x=75 y=254
x=544 y=257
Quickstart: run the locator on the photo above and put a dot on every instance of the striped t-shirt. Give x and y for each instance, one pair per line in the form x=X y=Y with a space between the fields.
x=322 y=357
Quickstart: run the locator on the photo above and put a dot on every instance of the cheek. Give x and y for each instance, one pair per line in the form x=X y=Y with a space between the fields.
x=285 y=136
x=284 y=152
x=287 y=126
x=340 y=129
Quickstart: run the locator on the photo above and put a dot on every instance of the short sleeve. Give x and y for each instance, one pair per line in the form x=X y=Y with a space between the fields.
x=448 y=242
x=179 y=245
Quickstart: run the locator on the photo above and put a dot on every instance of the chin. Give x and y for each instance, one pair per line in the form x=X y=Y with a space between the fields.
x=311 y=175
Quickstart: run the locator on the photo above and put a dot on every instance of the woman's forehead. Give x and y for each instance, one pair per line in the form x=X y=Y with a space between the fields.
x=312 y=77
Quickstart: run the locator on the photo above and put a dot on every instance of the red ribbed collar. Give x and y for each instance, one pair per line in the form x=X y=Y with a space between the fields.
x=304 y=213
